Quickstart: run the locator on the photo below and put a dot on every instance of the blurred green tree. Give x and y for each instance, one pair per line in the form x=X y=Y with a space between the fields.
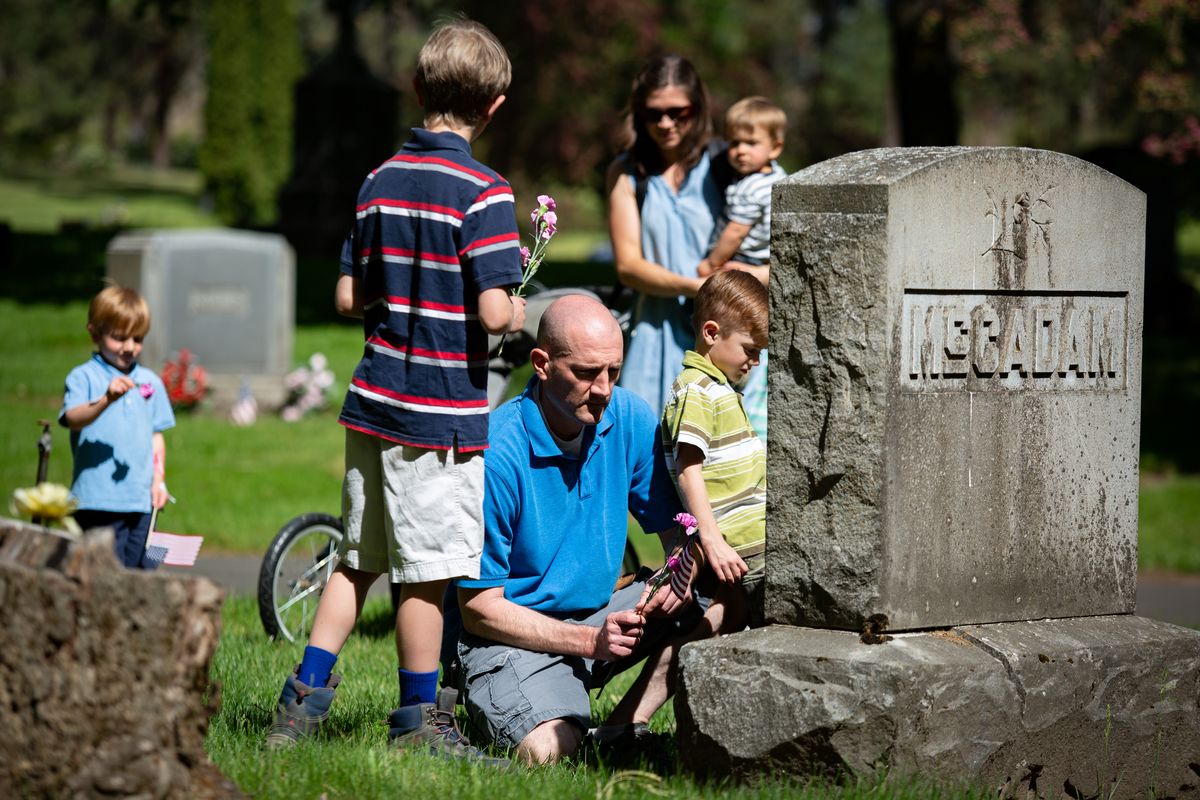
x=254 y=60
x=1077 y=73
x=48 y=63
x=73 y=68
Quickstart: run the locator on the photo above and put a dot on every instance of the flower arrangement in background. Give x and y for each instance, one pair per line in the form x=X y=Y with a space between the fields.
x=185 y=380
x=49 y=504
x=307 y=388
x=545 y=225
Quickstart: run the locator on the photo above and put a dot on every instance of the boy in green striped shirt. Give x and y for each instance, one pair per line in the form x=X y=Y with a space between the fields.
x=717 y=460
x=720 y=469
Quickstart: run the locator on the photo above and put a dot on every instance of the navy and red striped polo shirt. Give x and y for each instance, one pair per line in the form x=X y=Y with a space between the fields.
x=434 y=228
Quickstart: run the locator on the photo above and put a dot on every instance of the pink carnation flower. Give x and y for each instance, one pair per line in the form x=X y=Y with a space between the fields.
x=146 y=389
x=686 y=520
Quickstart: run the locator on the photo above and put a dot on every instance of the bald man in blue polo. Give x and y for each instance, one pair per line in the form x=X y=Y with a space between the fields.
x=570 y=459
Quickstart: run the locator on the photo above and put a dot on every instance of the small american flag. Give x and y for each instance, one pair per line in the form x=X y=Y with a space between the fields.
x=173 y=549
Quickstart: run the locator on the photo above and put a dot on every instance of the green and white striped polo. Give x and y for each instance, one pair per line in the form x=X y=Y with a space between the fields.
x=703 y=410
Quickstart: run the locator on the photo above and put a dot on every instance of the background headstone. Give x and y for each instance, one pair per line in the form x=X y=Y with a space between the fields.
x=954 y=422
x=228 y=296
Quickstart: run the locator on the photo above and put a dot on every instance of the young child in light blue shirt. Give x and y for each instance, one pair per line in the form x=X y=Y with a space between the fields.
x=117 y=410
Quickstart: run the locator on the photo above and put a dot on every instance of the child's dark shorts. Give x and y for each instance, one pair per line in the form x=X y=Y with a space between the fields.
x=130 y=531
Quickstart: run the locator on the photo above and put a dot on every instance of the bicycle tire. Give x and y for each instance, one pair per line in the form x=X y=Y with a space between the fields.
x=298 y=561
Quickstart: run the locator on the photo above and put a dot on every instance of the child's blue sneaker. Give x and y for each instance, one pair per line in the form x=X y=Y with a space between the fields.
x=432 y=727
x=301 y=710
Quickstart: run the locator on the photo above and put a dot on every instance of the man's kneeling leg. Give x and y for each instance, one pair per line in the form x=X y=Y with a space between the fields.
x=510 y=692
x=551 y=741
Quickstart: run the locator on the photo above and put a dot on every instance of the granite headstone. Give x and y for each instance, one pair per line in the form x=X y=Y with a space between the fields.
x=228 y=296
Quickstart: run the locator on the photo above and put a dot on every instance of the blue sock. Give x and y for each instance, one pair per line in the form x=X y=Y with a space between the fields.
x=316 y=666
x=417 y=687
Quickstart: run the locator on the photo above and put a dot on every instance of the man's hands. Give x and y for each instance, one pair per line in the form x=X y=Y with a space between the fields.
x=662 y=601
x=620 y=633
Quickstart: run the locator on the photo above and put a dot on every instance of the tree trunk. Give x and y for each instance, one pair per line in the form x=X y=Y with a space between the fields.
x=923 y=73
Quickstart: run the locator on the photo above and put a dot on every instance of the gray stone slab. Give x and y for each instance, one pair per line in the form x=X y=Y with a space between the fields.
x=954 y=414
x=228 y=296
x=1105 y=705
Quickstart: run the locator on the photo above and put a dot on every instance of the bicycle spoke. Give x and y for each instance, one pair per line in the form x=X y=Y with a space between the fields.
x=316 y=567
x=301 y=567
x=298 y=597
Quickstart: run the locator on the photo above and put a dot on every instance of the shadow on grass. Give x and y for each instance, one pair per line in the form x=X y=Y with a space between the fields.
x=378 y=621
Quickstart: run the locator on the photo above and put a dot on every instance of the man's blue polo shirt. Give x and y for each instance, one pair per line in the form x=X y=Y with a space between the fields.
x=555 y=525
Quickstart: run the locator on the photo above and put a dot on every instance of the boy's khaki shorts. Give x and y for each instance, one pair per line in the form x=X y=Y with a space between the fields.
x=413 y=513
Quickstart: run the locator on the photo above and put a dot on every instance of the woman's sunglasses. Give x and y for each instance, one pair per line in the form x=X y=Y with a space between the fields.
x=653 y=116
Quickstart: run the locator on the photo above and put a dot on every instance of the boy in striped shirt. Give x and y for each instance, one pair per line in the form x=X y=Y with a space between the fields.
x=714 y=455
x=428 y=266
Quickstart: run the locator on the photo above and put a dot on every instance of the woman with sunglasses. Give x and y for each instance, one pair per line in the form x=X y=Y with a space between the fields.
x=663 y=201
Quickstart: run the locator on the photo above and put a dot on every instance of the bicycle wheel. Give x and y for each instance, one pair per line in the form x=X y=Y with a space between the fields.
x=297 y=565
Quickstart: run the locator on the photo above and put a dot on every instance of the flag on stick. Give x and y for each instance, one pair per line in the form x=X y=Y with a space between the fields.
x=173 y=549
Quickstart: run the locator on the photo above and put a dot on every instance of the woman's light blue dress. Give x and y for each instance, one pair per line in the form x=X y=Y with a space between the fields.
x=676 y=233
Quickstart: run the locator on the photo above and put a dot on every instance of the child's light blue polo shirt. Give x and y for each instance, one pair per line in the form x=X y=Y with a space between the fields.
x=556 y=526
x=114 y=457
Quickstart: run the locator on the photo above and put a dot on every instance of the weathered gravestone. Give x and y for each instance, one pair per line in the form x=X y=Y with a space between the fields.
x=104 y=686
x=954 y=400
x=228 y=296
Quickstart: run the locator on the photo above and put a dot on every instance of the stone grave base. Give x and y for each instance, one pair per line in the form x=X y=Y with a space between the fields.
x=1064 y=707
x=104 y=673
x=224 y=391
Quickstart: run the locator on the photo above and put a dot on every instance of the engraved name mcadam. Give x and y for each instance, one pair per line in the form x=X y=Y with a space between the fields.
x=1012 y=340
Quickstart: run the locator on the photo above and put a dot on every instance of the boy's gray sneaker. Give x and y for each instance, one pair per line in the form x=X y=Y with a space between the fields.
x=629 y=745
x=301 y=710
x=432 y=727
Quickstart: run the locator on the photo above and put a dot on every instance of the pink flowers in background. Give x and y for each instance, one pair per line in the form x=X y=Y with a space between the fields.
x=545 y=225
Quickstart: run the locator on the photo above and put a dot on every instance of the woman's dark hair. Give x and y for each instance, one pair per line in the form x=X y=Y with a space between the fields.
x=659 y=73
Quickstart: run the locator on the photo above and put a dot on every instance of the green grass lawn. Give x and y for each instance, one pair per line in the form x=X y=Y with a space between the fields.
x=352 y=758
x=127 y=196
